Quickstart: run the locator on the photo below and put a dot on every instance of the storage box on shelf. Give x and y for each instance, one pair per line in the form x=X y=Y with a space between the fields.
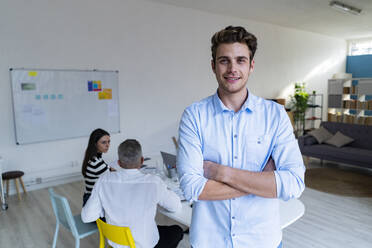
x=350 y=100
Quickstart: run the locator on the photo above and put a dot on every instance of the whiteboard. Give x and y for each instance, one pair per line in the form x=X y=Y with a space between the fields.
x=60 y=104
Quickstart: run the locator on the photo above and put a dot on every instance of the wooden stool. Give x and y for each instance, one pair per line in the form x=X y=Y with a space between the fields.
x=14 y=175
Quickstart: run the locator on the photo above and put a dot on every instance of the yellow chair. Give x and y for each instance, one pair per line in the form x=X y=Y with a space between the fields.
x=118 y=234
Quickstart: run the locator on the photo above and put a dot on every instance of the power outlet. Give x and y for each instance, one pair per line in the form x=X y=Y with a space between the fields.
x=38 y=180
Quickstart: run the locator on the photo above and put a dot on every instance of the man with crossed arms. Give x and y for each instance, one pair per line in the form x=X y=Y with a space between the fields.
x=225 y=141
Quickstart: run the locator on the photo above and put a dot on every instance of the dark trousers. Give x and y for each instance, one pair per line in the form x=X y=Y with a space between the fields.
x=169 y=236
x=85 y=198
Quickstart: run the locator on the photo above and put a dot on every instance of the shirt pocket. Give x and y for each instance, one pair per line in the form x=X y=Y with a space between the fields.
x=255 y=149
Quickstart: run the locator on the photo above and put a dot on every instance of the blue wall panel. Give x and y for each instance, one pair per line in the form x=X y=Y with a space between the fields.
x=360 y=66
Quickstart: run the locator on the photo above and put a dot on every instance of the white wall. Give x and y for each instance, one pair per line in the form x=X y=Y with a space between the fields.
x=163 y=55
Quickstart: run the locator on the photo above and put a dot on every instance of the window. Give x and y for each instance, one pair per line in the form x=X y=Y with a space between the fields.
x=360 y=47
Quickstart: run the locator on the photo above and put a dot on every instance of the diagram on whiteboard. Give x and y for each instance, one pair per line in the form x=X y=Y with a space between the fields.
x=59 y=104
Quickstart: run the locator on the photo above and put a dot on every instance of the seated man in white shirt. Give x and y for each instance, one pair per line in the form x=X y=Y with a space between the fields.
x=127 y=197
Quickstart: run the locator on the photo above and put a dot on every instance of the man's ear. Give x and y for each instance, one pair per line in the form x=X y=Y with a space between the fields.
x=251 y=65
x=142 y=160
x=213 y=66
x=119 y=163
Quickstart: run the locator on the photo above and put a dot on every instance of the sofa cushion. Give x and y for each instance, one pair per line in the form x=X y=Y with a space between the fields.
x=362 y=134
x=339 y=140
x=321 y=134
x=310 y=140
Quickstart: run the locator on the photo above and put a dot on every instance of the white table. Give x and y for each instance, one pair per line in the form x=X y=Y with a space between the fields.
x=290 y=211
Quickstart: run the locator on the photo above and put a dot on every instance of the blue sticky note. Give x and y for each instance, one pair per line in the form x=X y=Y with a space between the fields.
x=90 y=85
x=53 y=96
x=45 y=97
x=37 y=97
x=60 y=96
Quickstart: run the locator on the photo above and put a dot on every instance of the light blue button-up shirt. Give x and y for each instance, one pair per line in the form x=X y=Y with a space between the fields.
x=244 y=140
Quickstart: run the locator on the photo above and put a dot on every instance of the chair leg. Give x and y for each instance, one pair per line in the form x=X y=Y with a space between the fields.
x=77 y=242
x=55 y=236
x=17 y=188
x=7 y=188
x=23 y=186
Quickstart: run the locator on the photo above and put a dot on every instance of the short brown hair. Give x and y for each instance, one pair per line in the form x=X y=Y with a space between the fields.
x=232 y=34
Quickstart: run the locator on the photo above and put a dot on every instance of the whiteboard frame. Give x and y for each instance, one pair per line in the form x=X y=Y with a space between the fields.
x=54 y=70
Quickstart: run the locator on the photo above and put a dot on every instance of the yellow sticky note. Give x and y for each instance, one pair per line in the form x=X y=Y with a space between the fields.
x=32 y=73
x=105 y=94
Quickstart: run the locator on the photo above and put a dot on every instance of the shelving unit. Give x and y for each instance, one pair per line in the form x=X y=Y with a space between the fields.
x=314 y=113
x=350 y=100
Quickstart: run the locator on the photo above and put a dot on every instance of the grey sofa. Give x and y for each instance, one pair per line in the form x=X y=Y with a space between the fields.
x=359 y=152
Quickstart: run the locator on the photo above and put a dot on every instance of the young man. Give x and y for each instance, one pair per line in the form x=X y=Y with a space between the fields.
x=225 y=141
x=128 y=197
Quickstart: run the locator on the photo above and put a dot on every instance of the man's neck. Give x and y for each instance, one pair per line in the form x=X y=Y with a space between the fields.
x=233 y=101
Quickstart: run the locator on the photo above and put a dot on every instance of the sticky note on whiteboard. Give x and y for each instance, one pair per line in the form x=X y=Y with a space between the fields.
x=106 y=94
x=32 y=73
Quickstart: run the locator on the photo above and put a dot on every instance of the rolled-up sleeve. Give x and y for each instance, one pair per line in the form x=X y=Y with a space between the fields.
x=190 y=157
x=167 y=198
x=290 y=171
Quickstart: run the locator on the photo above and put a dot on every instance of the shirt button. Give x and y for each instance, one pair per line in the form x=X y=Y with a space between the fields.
x=233 y=199
x=258 y=142
x=233 y=217
x=235 y=136
x=236 y=157
x=233 y=235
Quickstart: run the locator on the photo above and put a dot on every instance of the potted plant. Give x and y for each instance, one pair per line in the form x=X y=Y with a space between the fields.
x=298 y=106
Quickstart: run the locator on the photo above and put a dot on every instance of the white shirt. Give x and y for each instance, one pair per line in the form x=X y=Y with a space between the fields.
x=128 y=197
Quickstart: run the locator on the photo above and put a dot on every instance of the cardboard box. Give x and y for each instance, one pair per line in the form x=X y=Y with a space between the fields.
x=346 y=90
x=362 y=105
x=368 y=121
x=332 y=117
x=348 y=119
x=352 y=104
x=339 y=118
x=370 y=105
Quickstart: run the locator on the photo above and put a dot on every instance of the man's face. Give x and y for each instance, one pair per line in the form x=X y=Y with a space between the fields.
x=232 y=67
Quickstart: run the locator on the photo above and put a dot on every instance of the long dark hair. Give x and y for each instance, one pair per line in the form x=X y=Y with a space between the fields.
x=91 y=150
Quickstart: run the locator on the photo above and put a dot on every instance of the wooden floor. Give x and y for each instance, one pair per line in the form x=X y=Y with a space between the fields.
x=330 y=221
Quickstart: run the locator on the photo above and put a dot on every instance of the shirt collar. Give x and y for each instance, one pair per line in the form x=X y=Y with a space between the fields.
x=248 y=105
x=129 y=171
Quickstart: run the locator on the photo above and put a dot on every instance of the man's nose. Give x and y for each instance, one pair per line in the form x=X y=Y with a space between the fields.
x=232 y=67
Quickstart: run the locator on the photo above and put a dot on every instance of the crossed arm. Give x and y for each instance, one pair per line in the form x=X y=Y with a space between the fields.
x=225 y=182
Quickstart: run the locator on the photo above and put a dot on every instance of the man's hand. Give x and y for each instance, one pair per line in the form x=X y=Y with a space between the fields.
x=270 y=165
x=215 y=171
x=212 y=170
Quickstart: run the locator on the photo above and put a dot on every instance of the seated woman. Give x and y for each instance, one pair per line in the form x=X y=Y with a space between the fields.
x=93 y=164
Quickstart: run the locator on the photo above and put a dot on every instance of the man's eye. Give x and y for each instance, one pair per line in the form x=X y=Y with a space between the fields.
x=240 y=61
x=224 y=61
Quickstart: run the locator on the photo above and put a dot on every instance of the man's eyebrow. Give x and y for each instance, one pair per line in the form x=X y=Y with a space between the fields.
x=222 y=57
x=226 y=57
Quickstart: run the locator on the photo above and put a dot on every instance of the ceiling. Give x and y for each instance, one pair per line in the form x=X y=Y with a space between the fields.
x=309 y=15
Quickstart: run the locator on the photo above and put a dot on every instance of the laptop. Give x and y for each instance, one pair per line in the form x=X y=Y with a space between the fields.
x=169 y=160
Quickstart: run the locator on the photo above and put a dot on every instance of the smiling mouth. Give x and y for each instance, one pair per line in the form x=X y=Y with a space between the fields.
x=231 y=79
